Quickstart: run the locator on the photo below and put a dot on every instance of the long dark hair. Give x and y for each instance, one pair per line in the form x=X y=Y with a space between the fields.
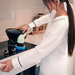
x=71 y=31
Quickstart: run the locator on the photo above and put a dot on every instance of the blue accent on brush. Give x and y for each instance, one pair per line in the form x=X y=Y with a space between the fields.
x=20 y=48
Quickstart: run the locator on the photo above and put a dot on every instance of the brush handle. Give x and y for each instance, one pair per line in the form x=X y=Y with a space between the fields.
x=24 y=32
x=21 y=37
x=28 y=32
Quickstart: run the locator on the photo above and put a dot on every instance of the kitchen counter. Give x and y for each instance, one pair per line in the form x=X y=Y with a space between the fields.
x=34 y=39
x=16 y=71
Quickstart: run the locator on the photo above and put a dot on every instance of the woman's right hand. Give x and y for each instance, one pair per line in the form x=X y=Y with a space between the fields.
x=28 y=29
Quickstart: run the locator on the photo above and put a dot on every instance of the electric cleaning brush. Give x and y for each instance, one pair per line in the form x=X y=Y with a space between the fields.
x=20 y=40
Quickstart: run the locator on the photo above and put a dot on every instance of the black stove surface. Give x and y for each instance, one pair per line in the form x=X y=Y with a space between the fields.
x=4 y=46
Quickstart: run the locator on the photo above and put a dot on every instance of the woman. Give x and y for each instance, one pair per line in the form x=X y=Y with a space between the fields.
x=57 y=45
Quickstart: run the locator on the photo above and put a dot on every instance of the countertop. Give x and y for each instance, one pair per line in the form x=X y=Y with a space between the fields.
x=34 y=39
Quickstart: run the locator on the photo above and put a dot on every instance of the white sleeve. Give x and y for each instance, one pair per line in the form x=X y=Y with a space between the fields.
x=43 y=20
x=46 y=47
x=38 y=22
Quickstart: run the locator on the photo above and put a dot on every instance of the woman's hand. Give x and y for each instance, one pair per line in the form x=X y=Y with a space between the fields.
x=28 y=29
x=7 y=67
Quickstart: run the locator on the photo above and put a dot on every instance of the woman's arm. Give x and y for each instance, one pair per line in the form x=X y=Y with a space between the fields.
x=46 y=47
x=42 y=20
x=55 y=37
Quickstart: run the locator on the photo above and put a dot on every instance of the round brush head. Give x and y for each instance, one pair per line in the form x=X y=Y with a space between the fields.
x=20 y=48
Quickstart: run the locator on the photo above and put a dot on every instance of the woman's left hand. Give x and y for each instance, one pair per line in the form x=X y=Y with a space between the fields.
x=7 y=67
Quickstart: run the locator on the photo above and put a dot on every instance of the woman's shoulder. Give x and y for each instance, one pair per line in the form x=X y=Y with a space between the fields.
x=61 y=20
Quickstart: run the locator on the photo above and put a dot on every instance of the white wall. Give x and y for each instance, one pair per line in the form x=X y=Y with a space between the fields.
x=17 y=12
x=6 y=17
x=25 y=10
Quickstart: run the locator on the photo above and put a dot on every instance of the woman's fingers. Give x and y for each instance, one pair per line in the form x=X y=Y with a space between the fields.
x=28 y=29
x=24 y=30
x=7 y=67
x=9 y=70
x=27 y=32
x=4 y=62
x=3 y=67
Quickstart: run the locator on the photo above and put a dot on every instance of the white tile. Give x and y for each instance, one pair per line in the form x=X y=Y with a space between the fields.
x=2 y=33
x=26 y=16
x=6 y=8
x=6 y=24
x=46 y=11
x=3 y=38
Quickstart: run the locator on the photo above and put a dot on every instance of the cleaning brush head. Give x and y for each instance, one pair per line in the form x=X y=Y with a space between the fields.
x=20 y=48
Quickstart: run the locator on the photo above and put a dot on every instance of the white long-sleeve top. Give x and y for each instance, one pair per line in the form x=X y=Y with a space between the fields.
x=53 y=50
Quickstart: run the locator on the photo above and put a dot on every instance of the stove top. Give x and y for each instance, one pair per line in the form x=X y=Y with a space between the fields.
x=4 y=46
